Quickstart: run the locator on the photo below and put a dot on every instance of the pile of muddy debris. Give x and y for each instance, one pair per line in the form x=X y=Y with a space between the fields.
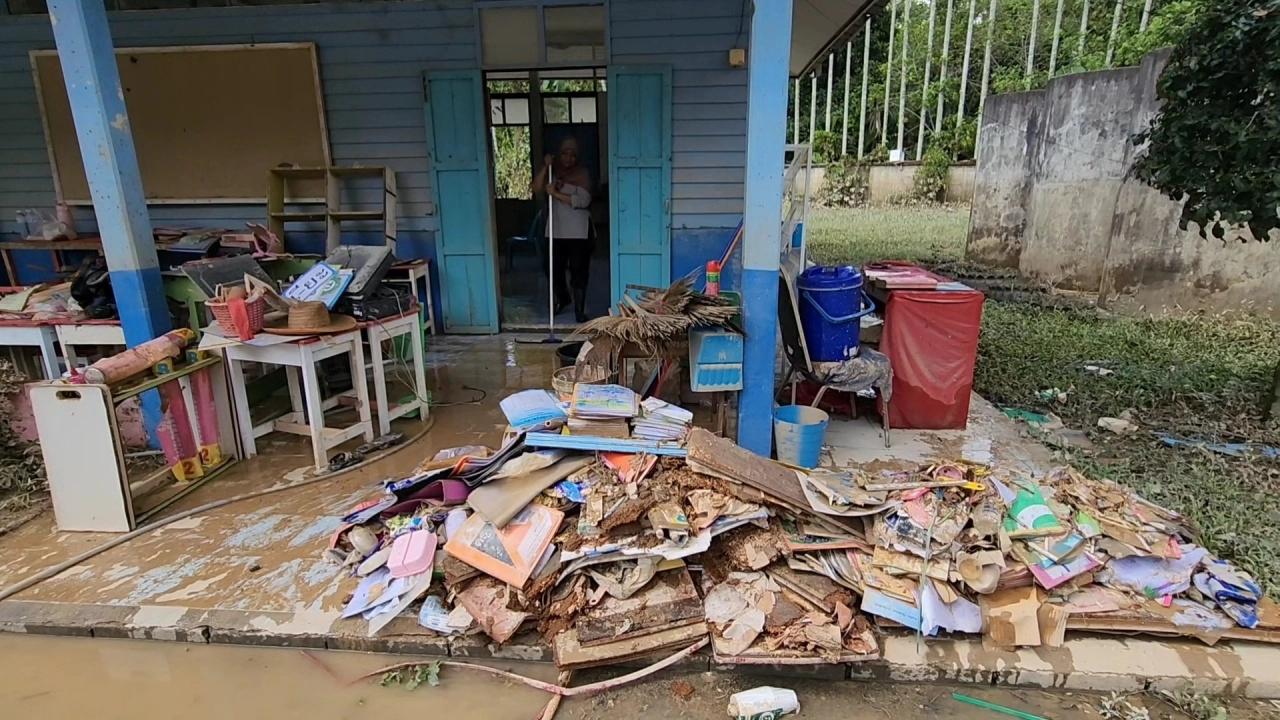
x=618 y=545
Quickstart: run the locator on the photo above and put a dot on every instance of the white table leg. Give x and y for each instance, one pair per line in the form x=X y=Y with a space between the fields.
x=430 y=308
x=240 y=396
x=49 y=353
x=379 y=379
x=315 y=408
x=295 y=389
x=420 y=372
x=361 y=385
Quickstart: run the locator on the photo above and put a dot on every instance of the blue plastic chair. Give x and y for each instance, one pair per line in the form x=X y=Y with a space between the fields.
x=532 y=237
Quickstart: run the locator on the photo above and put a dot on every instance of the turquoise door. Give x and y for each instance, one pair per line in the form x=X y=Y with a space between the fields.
x=640 y=176
x=458 y=143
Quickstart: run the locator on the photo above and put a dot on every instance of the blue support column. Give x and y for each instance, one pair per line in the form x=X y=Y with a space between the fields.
x=89 y=68
x=768 y=59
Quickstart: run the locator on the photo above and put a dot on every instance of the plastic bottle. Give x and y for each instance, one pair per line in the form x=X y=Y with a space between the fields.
x=713 y=279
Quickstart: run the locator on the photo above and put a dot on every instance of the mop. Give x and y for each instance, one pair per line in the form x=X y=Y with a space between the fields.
x=551 y=338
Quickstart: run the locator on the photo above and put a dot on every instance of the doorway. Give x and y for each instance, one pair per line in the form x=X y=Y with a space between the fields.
x=533 y=115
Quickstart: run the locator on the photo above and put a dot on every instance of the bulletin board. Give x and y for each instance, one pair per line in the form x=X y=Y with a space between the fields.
x=208 y=121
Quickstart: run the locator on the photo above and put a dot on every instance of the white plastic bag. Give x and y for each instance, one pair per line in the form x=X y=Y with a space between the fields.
x=763 y=703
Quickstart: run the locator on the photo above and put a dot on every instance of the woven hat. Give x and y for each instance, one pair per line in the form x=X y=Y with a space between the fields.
x=309 y=318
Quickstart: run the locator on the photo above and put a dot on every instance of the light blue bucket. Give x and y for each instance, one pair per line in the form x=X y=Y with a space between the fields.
x=799 y=431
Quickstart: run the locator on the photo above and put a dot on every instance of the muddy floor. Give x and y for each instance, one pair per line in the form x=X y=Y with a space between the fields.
x=55 y=677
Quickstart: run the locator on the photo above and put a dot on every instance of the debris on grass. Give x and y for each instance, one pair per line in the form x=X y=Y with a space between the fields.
x=413 y=676
x=1118 y=707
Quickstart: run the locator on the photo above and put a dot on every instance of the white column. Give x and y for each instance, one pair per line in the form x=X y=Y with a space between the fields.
x=928 y=70
x=942 y=72
x=866 y=67
x=844 y=134
x=902 y=84
x=964 y=70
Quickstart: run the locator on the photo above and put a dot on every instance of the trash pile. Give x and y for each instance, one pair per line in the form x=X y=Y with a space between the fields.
x=618 y=530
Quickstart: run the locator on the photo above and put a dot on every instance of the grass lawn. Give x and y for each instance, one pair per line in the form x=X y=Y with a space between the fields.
x=1193 y=376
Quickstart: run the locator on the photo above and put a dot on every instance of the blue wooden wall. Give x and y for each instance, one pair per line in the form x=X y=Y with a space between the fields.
x=372 y=56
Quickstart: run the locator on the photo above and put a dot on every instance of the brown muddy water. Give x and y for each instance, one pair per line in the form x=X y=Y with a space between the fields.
x=57 y=677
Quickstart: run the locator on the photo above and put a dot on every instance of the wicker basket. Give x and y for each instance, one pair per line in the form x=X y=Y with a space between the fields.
x=255 y=307
x=562 y=380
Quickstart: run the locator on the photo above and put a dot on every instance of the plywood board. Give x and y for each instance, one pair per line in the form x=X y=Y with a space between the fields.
x=208 y=121
x=82 y=457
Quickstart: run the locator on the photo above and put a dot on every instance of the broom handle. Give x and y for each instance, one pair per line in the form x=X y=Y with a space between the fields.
x=551 y=258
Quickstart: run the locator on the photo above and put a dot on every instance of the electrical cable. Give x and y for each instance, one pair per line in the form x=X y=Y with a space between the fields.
x=61 y=567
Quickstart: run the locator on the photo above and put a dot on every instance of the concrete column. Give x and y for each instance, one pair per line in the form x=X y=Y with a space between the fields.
x=106 y=144
x=110 y=164
x=762 y=216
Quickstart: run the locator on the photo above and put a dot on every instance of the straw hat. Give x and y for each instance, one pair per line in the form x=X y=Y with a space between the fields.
x=309 y=318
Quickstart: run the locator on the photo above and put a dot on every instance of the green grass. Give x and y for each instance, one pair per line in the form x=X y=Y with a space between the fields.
x=915 y=234
x=1191 y=375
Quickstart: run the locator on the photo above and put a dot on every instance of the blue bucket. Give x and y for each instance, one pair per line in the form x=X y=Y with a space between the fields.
x=799 y=431
x=831 y=307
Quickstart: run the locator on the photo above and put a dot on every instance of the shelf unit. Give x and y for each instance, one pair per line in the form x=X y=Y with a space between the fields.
x=330 y=210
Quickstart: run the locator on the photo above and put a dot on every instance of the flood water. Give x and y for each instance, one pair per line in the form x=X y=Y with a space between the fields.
x=56 y=677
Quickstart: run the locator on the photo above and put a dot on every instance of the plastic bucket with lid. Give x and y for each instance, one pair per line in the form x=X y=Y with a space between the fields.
x=799 y=431
x=831 y=307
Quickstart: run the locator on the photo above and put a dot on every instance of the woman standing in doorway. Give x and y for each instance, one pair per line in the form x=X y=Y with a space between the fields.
x=570 y=191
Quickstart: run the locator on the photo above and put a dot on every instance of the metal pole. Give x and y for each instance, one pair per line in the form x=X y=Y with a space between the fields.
x=1057 y=33
x=928 y=70
x=902 y=82
x=990 y=20
x=964 y=70
x=813 y=106
x=1146 y=16
x=1115 y=27
x=942 y=72
x=795 y=112
x=888 y=74
x=866 y=66
x=844 y=134
x=1084 y=28
x=831 y=71
x=1031 y=42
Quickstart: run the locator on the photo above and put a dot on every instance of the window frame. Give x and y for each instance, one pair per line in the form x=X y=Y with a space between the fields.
x=540 y=6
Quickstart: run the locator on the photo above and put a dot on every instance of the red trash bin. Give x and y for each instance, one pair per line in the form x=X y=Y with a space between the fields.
x=931 y=338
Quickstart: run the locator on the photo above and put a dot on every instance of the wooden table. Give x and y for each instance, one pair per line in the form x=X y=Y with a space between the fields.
x=32 y=334
x=92 y=332
x=379 y=331
x=301 y=358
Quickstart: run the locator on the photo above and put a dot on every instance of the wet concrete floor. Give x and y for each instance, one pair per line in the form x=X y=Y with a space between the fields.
x=134 y=680
x=256 y=565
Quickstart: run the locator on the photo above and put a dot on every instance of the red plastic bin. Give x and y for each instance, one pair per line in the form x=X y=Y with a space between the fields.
x=931 y=338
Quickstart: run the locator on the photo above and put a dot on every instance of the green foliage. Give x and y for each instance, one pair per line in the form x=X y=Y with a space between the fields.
x=413 y=676
x=826 y=146
x=511 y=170
x=1216 y=141
x=847 y=181
x=930 y=181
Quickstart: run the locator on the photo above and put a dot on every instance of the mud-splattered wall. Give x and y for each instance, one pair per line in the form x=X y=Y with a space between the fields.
x=1054 y=199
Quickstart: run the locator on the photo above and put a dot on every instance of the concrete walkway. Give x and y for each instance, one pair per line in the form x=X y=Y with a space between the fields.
x=252 y=572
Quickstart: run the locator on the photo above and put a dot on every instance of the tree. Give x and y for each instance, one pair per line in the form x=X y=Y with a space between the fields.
x=1216 y=140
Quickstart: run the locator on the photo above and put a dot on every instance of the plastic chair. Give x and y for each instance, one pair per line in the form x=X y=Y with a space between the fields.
x=532 y=237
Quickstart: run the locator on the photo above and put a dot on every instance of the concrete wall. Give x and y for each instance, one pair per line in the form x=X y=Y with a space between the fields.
x=1054 y=199
x=888 y=181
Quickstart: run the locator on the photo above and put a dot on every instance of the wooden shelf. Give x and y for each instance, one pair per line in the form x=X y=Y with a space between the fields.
x=358 y=215
x=299 y=172
x=298 y=216
x=333 y=214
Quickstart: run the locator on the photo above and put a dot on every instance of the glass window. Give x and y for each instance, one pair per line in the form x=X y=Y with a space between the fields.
x=575 y=33
x=509 y=36
x=555 y=109
x=582 y=110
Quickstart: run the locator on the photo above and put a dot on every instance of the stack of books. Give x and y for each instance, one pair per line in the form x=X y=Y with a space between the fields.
x=660 y=420
x=602 y=410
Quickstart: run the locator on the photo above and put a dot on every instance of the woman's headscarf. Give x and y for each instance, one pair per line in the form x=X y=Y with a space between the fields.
x=578 y=174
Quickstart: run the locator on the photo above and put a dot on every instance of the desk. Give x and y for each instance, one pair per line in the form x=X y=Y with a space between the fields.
x=32 y=334
x=379 y=331
x=416 y=273
x=88 y=333
x=301 y=357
